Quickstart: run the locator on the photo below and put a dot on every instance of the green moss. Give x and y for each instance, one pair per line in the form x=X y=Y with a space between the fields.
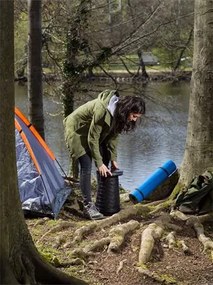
x=50 y=255
x=176 y=191
x=144 y=211
x=142 y=266
x=168 y=279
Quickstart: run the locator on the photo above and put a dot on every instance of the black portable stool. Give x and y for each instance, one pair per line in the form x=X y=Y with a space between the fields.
x=108 y=197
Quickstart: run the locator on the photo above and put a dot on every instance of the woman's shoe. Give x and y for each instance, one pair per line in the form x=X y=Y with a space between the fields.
x=90 y=211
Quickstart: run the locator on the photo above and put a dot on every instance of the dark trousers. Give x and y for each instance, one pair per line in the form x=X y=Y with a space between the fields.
x=85 y=162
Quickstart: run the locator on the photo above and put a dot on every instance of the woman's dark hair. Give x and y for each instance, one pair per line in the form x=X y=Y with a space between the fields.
x=125 y=106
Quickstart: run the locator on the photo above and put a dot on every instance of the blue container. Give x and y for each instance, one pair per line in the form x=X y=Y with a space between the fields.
x=152 y=182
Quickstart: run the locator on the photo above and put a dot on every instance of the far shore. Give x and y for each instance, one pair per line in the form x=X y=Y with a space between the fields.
x=122 y=75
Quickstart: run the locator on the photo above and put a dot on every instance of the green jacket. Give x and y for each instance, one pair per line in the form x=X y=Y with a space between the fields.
x=88 y=126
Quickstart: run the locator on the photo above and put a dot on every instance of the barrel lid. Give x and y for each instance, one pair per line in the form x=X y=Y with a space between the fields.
x=117 y=172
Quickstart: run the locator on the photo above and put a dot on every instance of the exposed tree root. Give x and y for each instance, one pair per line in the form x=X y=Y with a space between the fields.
x=120 y=267
x=185 y=248
x=206 y=218
x=169 y=201
x=164 y=279
x=117 y=234
x=196 y=222
x=162 y=206
x=62 y=226
x=97 y=245
x=40 y=222
x=155 y=232
x=170 y=238
x=152 y=232
x=179 y=215
x=80 y=253
x=206 y=241
x=74 y=261
x=82 y=231
x=134 y=210
x=89 y=249
x=114 y=240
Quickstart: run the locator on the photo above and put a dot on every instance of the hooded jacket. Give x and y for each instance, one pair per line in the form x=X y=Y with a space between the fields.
x=89 y=126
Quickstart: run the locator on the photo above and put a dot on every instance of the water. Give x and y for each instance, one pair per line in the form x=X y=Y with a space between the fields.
x=160 y=136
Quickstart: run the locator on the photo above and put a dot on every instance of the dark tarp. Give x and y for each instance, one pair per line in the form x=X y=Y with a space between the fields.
x=198 y=197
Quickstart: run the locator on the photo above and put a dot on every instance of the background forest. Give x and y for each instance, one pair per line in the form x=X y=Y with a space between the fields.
x=84 y=38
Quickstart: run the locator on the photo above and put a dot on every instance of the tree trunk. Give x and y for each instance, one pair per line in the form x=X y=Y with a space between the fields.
x=178 y=62
x=35 y=93
x=198 y=154
x=20 y=262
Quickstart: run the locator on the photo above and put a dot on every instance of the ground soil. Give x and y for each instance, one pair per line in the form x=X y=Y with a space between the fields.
x=193 y=268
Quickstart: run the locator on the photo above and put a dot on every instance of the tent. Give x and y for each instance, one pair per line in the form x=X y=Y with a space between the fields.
x=42 y=187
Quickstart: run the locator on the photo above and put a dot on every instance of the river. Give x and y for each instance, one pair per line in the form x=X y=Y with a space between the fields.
x=160 y=136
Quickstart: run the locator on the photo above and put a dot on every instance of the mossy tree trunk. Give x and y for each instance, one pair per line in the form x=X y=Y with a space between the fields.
x=198 y=154
x=73 y=68
x=20 y=262
x=35 y=92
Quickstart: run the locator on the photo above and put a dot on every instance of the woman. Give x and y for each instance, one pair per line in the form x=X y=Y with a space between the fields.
x=91 y=132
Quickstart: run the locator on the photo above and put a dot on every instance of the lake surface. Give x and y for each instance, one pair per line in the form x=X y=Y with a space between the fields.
x=160 y=136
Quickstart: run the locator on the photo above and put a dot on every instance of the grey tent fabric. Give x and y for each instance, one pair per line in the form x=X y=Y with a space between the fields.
x=41 y=186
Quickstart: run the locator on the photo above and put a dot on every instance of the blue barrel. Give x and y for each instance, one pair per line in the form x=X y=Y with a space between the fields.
x=152 y=182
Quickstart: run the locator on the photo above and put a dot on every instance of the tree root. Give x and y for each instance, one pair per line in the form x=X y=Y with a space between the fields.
x=90 y=248
x=206 y=218
x=206 y=241
x=118 y=233
x=114 y=240
x=120 y=267
x=185 y=248
x=40 y=222
x=62 y=226
x=134 y=210
x=179 y=215
x=152 y=232
x=164 y=279
x=80 y=253
x=162 y=206
x=196 y=222
x=74 y=261
x=82 y=231
x=170 y=238
x=97 y=245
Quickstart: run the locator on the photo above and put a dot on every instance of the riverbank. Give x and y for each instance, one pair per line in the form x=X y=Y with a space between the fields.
x=120 y=76
x=124 y=76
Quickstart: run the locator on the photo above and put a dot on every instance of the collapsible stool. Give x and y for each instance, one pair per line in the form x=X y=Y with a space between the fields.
x=108 y=197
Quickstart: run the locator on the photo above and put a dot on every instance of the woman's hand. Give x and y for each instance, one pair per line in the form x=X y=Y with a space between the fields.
x=104 y=171
x=114 y=165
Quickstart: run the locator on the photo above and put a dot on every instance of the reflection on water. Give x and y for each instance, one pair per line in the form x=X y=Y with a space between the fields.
x=160 y=136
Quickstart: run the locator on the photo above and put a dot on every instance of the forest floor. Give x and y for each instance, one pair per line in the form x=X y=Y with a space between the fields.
x=56 y=240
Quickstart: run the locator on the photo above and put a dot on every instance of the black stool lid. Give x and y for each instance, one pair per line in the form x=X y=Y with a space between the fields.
x=117 y=172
